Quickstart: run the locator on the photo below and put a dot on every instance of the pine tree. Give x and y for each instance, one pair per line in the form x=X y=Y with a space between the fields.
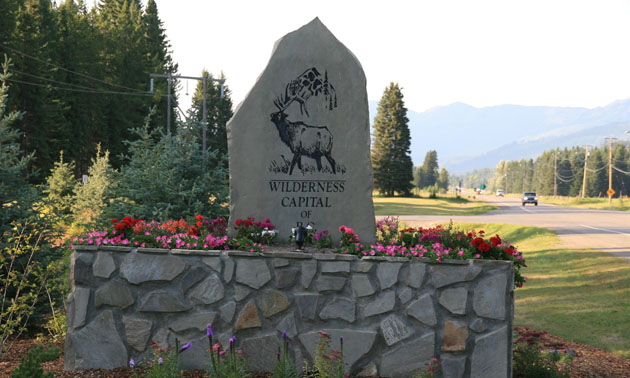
x=170 y=179
x=16 y=194
x=391 y=159
x=59 y=190
x=443 y=179
x=219 y=111
x=160 y=61
x=93 y=196
x=428 y=173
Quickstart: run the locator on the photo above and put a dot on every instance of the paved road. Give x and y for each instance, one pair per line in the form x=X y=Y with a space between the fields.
x=576 y=228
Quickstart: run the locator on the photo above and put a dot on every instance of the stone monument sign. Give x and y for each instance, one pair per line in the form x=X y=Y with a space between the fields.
x=299 y=144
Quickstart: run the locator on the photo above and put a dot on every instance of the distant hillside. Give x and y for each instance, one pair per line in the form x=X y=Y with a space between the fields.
x=468 y=138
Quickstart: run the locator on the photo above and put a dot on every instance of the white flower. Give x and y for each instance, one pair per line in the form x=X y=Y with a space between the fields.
x=309 y=227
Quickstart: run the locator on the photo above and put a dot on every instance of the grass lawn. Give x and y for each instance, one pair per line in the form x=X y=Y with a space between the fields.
x=443 y=205
x=581 y=295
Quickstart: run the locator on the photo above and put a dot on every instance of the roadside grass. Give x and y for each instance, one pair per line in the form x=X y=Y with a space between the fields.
x=443 y=205
x=581 y=295
x=622 y=204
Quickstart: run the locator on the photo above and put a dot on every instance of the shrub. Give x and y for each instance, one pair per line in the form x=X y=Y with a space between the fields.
x=30 y=365
x=169 y=176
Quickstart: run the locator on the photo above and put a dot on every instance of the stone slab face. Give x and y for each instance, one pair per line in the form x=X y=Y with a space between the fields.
x=137 y=268
x=406 y=360
x=490 y=356
x=252 y=273
x=422 y=310
x=489 y=297
x=355 y=343
x=299 y=144
x=97 y=345
x=454 y=299
x=394 y=314
x=104 y=265
x=137 y=332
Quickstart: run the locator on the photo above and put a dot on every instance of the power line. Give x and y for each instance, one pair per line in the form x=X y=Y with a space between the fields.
x=85 y=91
x=13 y=70
x=67 y=70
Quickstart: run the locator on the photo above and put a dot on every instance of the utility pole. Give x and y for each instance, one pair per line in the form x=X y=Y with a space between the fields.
x=555 y=174
x=610 y=189
x=169 y=78
x=584 y=179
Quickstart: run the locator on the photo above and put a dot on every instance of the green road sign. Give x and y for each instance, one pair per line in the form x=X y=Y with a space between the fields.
x=482 y=187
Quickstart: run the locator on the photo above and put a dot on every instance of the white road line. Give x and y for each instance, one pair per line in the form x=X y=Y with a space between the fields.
x=603 y=229
x=524 y=209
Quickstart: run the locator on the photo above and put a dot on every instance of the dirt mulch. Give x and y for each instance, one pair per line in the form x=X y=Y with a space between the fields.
x=589 y=362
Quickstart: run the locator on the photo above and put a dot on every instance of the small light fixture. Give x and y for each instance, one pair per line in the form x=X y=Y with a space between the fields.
x=300 y=235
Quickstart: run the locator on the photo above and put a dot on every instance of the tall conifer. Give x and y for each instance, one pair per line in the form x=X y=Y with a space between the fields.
x=391 y=159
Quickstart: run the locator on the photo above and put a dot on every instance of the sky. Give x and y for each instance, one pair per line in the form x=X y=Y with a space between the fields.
x=482 y=53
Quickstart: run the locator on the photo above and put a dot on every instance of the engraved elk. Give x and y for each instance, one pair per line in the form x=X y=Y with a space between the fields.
x=303 y=140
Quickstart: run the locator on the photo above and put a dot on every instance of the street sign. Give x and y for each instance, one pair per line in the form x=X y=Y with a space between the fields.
x=483 y=187
x=610 y=192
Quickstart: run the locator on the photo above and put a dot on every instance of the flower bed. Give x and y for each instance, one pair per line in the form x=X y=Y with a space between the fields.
x=437 y=243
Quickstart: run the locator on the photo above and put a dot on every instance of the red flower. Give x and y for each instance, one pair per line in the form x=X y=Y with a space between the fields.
x=199 y=224
x=114 y=221
x=495 y=240
x=248 y=223
x=238 y=222
x=199 y=218
x=121 y=226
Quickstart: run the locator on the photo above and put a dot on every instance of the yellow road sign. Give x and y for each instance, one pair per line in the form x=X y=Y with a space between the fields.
x=610 y=192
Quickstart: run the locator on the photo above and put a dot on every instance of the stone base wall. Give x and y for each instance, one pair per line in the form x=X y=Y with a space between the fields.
x=394 y=314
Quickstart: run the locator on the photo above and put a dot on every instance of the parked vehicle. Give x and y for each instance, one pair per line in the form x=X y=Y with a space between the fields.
x=530 y=197
x=500 y=193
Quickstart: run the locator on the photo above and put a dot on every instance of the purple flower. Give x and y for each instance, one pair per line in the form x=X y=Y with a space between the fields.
x=186 y=346
x=160 y=361
x=209 y=330
x=232 y=339
x=132 y=363
x=284 y=334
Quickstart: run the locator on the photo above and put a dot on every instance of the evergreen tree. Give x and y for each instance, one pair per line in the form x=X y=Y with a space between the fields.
x=43 y=118
x=218 y=112
x=170 y=179
x=428 y=173
x=93 y=196
x=160 y=61
x=443 y=179
x=596 y=174
x=16 y=194
x=391 y=160
x=59 y=189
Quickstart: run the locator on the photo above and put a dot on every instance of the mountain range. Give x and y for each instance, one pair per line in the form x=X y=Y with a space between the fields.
x=467 y=138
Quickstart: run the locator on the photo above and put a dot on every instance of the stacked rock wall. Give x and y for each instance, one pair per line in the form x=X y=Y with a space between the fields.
x=394 y=314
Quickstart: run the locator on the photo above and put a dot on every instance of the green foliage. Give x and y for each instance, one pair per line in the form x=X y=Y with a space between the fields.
x=443 y=180
x=16 y=194
x=58 y=191
x=92 y=197
x=284 y=367
x=85 y=76
x=230 y=363
x=164 y=363
x=218 y=112
x=169 y=176
x=561 y=172
x=427 y=175
x=30 y=365
x=327 y=363
x=391 y=159
x=24 y=275
x=531 y=359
